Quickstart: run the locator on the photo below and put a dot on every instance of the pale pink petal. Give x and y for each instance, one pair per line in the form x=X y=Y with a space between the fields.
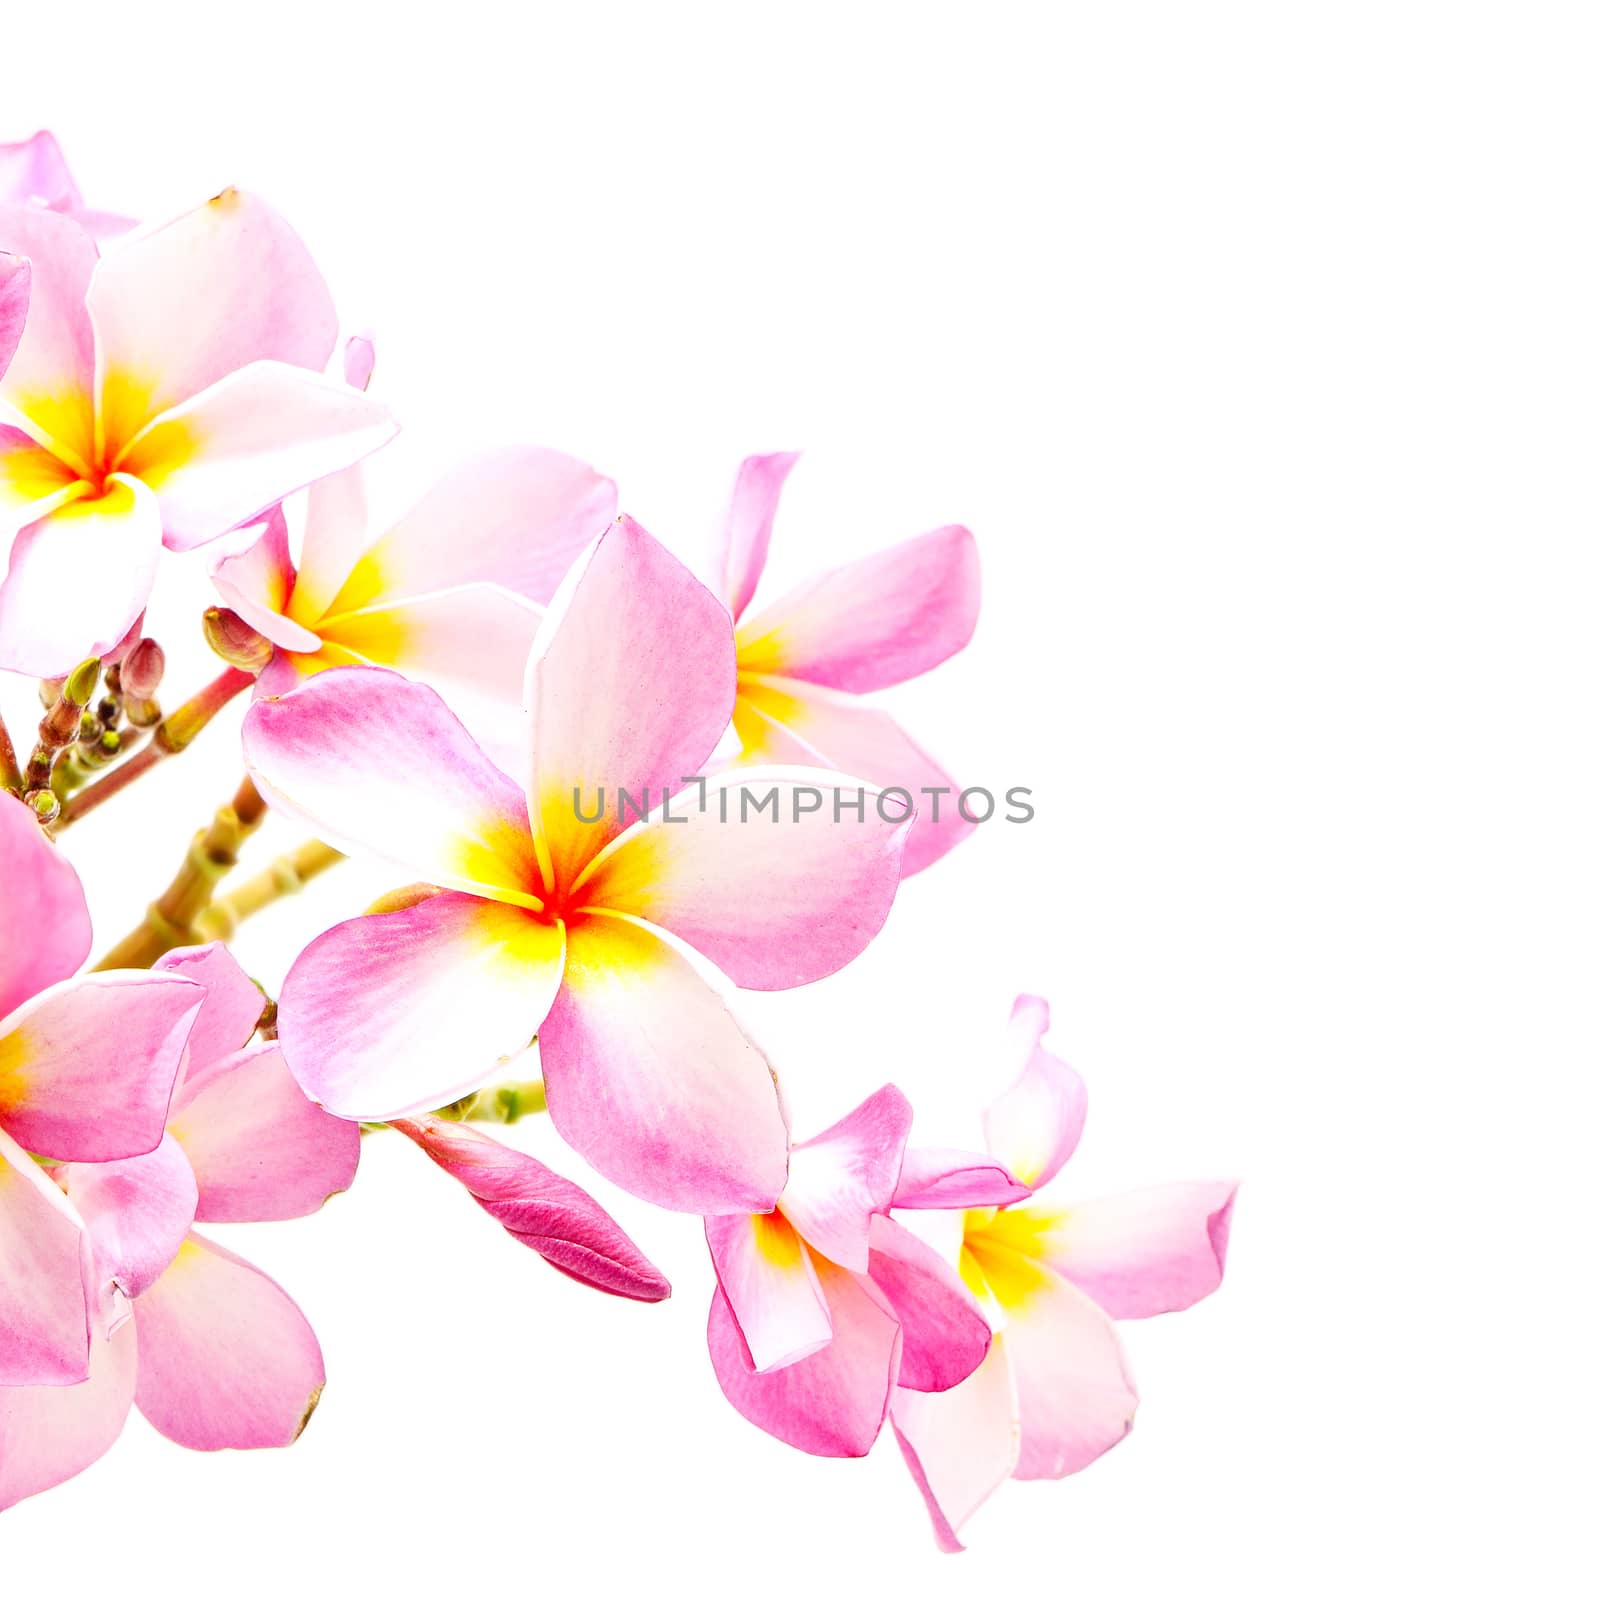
x=840 y=1178
x=360 y=357
x=49 y=387
x=1035 y=1125
x=785 y=721
x=225 y=457
x=138 y=1212
x=833 y=1402
x=378 y=766
x=87 y=1068
x=46 y=1276
x=653 y=1082
x=15 y=277
x=35 y=172
x=262 y=1152
x=747 y=529
x=232 y=1006
x=632 y=685
x=257 y=583
x=517 y=517
x=540 y=1209
x=954 y=1180
x=79 y=579
x=42 y=879
x=226 y=1359
x=470 y=644
x=335 y=536
x=1075 y=1395
x=1140 y=1254
x=960 y=1445
x=48 y=1435
x=184 y=305
x=944 y=1336
x=874 y=622
x=771 y=1287
x=771 y=877
x=406 y=1011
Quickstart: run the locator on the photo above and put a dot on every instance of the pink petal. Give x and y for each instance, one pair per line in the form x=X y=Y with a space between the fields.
x=336 y=534
x=360 y=357
x=378 y=766
x=747 y=530
x=15 y=278
x=42 y=879
x=35 y=172
x=50 y=382
x=840 y=1178
x=770 y=1284
x=138 y=1212
x=48 y=1435
x=261 y=1151
x=1075 y=1394
x=960 y=1445
x=516 y=517
x=791 y=723
x=775 y=897
x=79 y=579
x=87 y=1068
x=406 y=1011
x=874 y=622
x=226 y=1360
x=46 y=1277
x=833 y=1402
x=944 y=1336
x=230 y=1010
x=541 y=1209
x=184 y=305
x=256 y=583
x=1036 y=1124
x=632 y=685
x=653 y=1082
x=1140 y=1254
x=953 y=1180
x=470 y=644
x=223 y=458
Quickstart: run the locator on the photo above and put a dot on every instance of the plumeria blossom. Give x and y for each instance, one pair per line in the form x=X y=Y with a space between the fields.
x=212 y=1351
x=534 y=919
x=452 y=594
x=87 y=1067
x=826 y=1304
x=1054 y=1391
x=165 y=394
x=35 y=172
x=539 y=1208
x=805 y=660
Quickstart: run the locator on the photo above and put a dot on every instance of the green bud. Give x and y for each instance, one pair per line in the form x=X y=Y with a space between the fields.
x=232 y=638
x=44 y=805
x=81 y=684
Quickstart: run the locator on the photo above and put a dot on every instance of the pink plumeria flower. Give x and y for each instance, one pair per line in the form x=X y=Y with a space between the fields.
x=823 y=1306
x=805 y=660
x=540 y=1209
x=166 y=394
x=549 y=923
x=35 y=172
x=87 y=1067
x=1054 y=1392
x=451 y=595
x=214 y=1354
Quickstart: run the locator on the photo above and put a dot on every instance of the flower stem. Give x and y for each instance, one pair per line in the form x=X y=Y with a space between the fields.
x=504 y=1103
x=287 y=875
x=214 y=852
x=173 y=734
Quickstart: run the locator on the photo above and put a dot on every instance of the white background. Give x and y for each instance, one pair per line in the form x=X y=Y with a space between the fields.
x=1257 y=343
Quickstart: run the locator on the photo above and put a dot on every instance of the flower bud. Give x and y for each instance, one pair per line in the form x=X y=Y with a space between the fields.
x=81 y=683
x=232 y=638
x=44 y=806
x=143 y=669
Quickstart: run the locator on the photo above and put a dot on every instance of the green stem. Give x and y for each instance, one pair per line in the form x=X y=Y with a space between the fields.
x=287 y=875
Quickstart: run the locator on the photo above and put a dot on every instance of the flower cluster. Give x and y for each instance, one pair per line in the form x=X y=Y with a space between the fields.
x=455 y=696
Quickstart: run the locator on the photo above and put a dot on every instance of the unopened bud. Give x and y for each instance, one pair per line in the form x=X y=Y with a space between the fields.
x=44 y=805
x=110 y=743
x=81 y=683
x=90 y=729
x=232 y=638
x=143 y=670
